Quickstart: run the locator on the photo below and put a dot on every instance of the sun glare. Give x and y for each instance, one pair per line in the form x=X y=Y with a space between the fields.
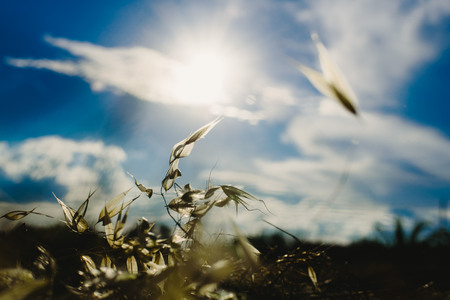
x=202 y=76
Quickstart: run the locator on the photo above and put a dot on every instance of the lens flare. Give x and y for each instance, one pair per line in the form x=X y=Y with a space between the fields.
x=202 y=77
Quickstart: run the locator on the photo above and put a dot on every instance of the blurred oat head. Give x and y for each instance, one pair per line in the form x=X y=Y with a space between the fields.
x=331 y=82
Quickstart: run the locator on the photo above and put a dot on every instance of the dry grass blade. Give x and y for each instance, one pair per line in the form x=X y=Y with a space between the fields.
x=200 y=133
x=331 y=82
x=318 y=80
x=153 y=268
x=144 y=226
x=184 y=148
x=193 y=195
x=172 y=174
x=109 y=229
x=114 y=233
x=156 y=266
x=78 y=218
x=181 y=149
x=202 y=209
x=74 y=219
x=238 y=196
x=17 y=214
x=193 y=229
x=115 y=205
x=120 y=223
x=142 y=188
x=118 y=229
x=83 y=207
x=182 y=207
x=132 y=266
x=218 y=271
x=284 y=231
x=107 y=262
x=312 y=275
x=331 y=71
x=210 y=192
x=188 y=203
x=247 y=251
x=89 y=265
x=159 y=259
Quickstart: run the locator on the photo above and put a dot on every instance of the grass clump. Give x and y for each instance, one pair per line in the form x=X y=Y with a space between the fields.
x=78 y=261
x=81 y=262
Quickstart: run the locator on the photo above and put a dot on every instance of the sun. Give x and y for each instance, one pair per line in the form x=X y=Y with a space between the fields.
x=203 y=76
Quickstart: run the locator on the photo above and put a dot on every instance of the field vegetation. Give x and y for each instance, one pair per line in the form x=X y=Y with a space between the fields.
x=80 y=260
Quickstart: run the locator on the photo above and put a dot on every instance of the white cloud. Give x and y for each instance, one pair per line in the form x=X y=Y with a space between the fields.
x=388 y=149
x=76 y=166
x=378 y=45
x=141 y=72
x=204 y=73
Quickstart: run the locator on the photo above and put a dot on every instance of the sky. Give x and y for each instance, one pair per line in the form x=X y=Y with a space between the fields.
x=92 y=91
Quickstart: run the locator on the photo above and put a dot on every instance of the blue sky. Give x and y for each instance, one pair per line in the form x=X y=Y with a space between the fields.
x=91 y=91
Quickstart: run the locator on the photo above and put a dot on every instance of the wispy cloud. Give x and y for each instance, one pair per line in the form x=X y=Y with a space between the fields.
x=141 y=72
x=152 y=76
